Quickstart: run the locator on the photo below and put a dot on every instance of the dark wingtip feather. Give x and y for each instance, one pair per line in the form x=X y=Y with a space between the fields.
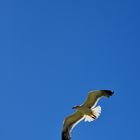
x=109 y=92
x=65 y=136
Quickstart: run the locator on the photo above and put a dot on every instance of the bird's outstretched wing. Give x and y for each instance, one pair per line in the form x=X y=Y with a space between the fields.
x=69 y=124
x=94 y=96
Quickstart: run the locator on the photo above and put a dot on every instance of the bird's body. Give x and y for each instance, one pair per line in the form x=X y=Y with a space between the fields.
x=84 y=110
x=87 y=111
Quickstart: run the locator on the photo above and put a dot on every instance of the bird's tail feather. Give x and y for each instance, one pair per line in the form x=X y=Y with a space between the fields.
x=95 y=114
x=88 y=118
x=96 y=111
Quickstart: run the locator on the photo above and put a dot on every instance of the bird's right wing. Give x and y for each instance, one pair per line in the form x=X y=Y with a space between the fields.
x=69 y=124
x=94 y=96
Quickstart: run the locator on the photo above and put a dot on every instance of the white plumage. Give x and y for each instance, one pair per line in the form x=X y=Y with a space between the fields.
x=96 y=111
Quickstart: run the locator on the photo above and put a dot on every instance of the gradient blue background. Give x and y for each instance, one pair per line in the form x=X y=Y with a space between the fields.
x=53 y=52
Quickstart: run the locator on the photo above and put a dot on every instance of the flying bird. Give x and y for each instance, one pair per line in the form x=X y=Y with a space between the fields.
x=87 y=112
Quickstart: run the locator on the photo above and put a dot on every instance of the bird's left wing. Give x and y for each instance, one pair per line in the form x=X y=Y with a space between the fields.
x=69 y=124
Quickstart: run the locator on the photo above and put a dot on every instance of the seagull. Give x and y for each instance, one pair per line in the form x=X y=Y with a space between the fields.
x=87 y=112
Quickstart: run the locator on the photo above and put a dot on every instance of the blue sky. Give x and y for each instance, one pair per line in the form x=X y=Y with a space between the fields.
x=53 y=52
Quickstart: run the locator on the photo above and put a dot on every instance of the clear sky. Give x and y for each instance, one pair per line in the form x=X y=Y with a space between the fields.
x=53 y=52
